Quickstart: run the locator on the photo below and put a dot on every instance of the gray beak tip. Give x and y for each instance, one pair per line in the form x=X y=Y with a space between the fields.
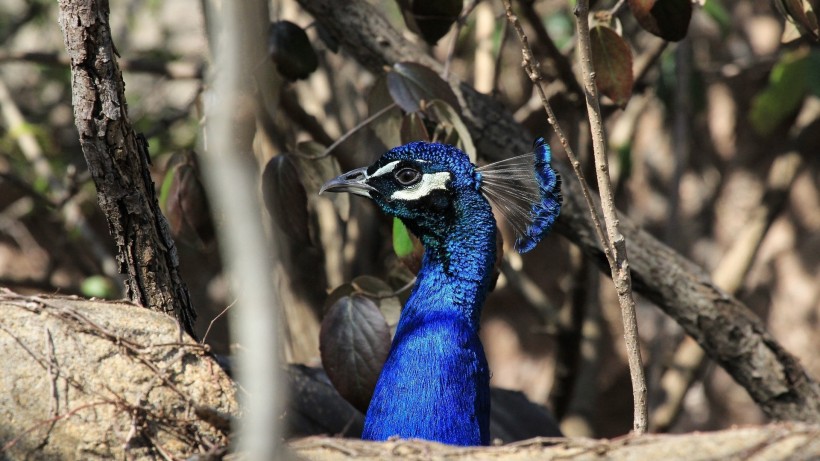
x=354 y=182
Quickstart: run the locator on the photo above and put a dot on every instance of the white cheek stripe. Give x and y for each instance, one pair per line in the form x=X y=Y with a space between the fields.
x=428 y=183
x=385 y=169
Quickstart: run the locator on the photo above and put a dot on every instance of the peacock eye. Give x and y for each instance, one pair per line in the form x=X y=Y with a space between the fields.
x=407 y=176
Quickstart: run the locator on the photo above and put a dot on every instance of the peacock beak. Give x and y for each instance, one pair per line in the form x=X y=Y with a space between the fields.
x=354 y=181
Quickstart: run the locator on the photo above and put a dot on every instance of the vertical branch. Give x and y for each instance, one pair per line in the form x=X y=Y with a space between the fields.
x=612 y=242
x=232 y=180
x=619 y=265
x=118 y=161
x=531 y=67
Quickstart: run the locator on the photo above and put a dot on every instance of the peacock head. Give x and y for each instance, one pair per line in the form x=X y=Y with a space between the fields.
x=424 y=183
x=419 y=182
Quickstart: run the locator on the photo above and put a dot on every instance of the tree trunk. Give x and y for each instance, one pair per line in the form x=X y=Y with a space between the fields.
x=118 y=160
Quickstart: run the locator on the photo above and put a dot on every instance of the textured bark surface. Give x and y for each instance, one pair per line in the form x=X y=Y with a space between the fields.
x=105 y=380
x=118 y=160
x=764 y=443
x=729 y=333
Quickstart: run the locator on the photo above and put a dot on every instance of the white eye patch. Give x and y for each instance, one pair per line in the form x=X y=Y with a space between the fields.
x=429 y=182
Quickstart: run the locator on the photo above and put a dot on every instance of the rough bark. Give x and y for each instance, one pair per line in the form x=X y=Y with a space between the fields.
x=769 y=443
x=730 y=334
x=118 y=161
x=105 y=380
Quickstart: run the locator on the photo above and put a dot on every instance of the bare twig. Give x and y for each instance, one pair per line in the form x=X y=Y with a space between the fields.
x=168 y=69
x=11 y=443
x=562 y=64
x=531 y=66
x=616 y=7
x=613 y=243
x=353 y=131
x=211 y=323
x=619 y=264
x=644 y=62
x=499 y=55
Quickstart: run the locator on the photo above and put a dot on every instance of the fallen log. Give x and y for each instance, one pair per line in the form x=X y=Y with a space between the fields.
x=98 y=380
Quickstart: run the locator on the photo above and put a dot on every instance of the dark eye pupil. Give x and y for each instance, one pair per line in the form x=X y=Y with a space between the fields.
x=407 y=176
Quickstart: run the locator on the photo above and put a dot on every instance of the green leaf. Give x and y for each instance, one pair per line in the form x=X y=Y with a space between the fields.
x=715 y=10
x=167 y=181
x=402 y=243
x=612 y=61
x=813 y=72
x=98 y=286
x=788 y=85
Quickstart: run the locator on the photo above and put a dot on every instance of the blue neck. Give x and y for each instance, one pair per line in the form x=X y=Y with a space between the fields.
x=435 y=383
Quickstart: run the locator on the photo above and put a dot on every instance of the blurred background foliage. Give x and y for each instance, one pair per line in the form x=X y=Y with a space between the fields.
x=698 y=132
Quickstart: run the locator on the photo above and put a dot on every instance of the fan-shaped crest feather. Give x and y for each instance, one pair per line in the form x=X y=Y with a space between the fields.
x=527 y=191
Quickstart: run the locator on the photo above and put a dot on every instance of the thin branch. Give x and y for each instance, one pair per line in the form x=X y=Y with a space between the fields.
x=644 y=62
x=353 y=131
x=217 y=317
x=619 y=264
x=562 y=64
x=531 y=67
x=616 y=7
x=497 y=67
x=169 y=69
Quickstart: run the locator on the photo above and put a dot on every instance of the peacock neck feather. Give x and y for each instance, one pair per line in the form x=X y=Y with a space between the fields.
x=435 y=383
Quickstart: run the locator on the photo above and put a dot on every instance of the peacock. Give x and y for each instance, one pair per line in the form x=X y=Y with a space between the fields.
x=435 y=384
